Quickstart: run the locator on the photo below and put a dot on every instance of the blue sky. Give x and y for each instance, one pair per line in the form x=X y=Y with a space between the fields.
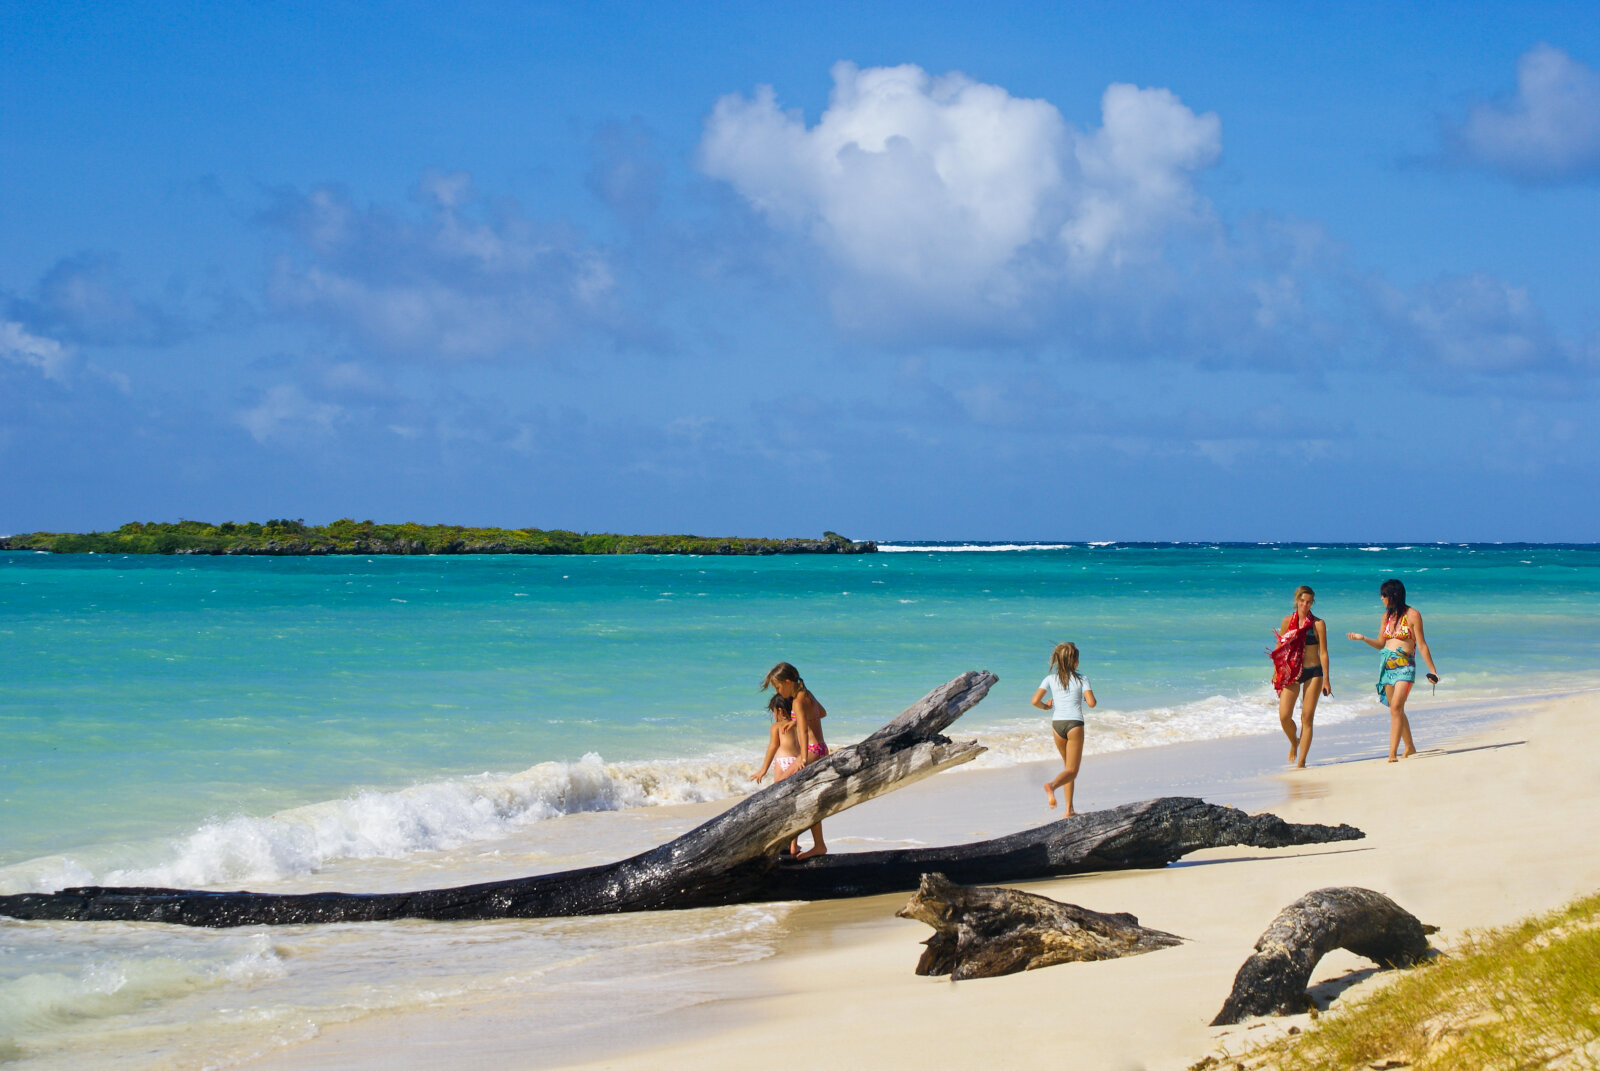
x=906 y=271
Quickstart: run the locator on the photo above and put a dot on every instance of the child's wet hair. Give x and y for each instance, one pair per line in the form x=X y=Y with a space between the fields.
x=781 y=705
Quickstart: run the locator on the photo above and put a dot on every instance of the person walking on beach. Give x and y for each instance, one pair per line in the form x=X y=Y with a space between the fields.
x=1399 y=638
x=1069 y=693
x=783 y=742
x=808 y=714
x=1301 y=669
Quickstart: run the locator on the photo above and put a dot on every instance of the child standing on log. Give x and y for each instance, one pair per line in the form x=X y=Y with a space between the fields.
x=783 y=742
x=1069 y=693
x=808 y=714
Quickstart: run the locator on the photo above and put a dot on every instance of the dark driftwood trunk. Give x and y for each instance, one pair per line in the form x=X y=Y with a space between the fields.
x=733 y=858
x=982 y=932
x=1273 y=981
x=1143 y=835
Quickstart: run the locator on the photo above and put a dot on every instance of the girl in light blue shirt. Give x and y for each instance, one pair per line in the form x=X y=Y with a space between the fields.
x=1069 y=693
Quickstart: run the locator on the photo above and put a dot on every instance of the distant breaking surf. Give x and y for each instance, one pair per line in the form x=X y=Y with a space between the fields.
x=970 y=548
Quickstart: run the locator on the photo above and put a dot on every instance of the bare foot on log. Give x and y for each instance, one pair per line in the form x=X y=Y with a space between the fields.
x=1050 y=791
x=814 y=850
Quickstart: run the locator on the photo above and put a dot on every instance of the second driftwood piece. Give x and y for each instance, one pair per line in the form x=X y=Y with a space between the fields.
x=1273 y=980
x=983 y=932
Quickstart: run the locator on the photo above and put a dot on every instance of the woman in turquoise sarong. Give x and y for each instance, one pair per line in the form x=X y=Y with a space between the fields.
x=1400 y=637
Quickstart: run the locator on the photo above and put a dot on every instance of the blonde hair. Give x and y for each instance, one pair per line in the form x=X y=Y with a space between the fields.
x=1303 y=590
x=1064 y=660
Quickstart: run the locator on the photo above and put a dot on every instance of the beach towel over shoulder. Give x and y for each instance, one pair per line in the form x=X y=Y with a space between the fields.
x=1288 y=653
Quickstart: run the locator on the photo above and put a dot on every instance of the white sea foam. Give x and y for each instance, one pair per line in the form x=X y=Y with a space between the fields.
x=1214 y=718
x=433 y=816
x=127 y=980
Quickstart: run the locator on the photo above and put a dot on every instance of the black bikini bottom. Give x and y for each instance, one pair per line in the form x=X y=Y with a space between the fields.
x=1310 y=673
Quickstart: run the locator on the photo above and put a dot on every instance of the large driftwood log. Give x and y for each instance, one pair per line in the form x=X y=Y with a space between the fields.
x=982 y=932
x=1143 y=835
x=1273 y=980
x=720 y=862
x=733 y=858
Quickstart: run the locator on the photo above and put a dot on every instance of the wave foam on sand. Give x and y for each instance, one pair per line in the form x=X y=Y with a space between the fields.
x=443 y=815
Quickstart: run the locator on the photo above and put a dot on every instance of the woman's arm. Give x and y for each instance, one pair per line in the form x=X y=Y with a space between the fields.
x=1327 y=659
x=772 y=749
x=1088 y=697
x=1422 y=643
x=1368 y=640
x=1038 y=700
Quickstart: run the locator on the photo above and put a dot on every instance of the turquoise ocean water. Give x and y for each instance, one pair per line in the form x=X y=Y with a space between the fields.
x=327 y=722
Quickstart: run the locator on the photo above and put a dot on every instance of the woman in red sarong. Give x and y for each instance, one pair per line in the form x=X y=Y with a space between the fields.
x=1300 y=670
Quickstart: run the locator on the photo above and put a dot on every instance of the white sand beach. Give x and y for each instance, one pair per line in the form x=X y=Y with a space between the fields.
x=1469 y=833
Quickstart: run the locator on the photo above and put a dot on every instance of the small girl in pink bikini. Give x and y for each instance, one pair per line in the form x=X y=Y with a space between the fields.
x=783 y=744
x=808 y=714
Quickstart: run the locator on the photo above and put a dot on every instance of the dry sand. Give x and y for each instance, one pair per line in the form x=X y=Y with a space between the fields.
x=1473 y=834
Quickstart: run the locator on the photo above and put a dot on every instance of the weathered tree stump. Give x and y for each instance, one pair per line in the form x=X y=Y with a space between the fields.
x=1273 y=980
x=982 y=932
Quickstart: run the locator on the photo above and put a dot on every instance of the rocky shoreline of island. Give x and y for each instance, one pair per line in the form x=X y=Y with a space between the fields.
x=293 y=538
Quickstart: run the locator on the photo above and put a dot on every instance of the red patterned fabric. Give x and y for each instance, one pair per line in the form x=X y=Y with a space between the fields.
x=1287 y=655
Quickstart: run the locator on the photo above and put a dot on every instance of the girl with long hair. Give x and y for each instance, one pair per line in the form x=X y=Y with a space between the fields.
x=807 y=713
x=1302 y=670
x=1069 y=693
x=1399 y=638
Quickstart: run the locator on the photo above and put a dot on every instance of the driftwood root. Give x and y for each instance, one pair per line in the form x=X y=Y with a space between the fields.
x=1273 y=980
x=982 y=932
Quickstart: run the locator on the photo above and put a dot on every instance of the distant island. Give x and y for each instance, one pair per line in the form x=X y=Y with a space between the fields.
x=284 y=537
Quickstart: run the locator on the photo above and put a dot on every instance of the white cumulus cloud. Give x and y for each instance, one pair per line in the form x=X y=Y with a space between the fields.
x=1549 y=132
x=957 y=196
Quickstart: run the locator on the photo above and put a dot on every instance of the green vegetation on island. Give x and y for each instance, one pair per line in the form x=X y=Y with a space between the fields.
x=1527 y=996
x=285 y=537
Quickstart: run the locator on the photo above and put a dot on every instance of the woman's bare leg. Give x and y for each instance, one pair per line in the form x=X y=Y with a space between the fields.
x=1308 y=710
x=1061 y=749
x=1286 y=699
x=1399 y=724
x=1071 y=750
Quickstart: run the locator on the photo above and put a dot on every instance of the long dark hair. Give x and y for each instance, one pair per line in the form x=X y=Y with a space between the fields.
x=1393 y=594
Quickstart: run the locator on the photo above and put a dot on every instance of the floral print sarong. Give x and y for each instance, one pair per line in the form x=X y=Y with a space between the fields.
x=1398 y=665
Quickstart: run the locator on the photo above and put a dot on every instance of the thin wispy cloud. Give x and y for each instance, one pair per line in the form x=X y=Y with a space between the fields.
x=85 y=299
x=454 y=280
x=47 y=356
